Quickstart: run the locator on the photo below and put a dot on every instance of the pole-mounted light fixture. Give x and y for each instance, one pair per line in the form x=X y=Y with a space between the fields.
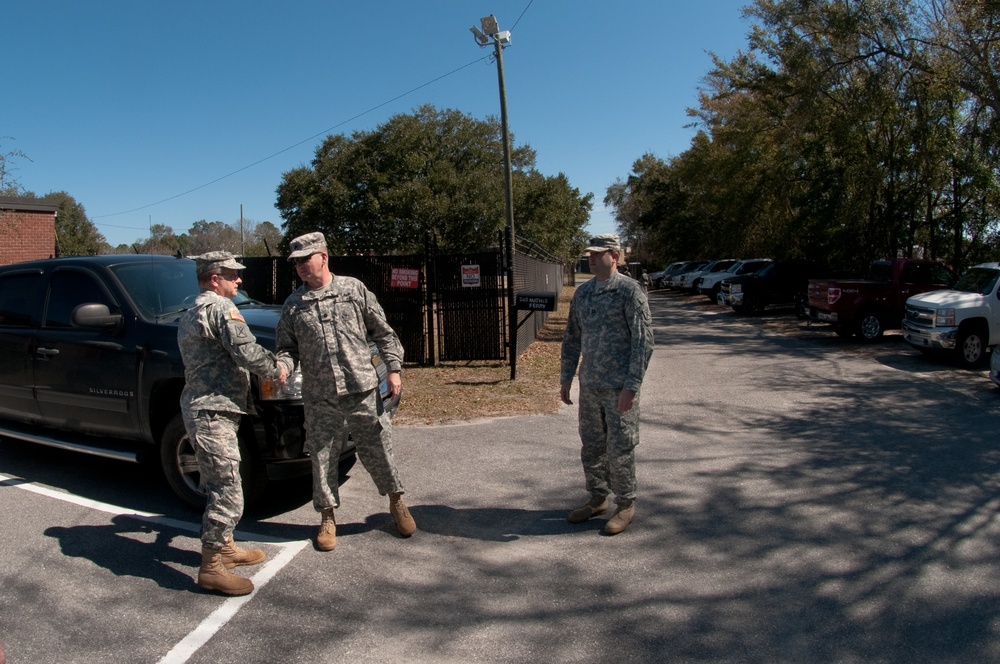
x=481 y=39
x=490 y=30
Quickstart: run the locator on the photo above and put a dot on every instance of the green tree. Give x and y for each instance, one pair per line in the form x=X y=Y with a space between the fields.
x=9 y=185
x=205 y=236
x=431 y=175
x=848 y=130
x=161 y=241
x=551 y=213
x=76 y=235
x=264 y=238
x=648 y=211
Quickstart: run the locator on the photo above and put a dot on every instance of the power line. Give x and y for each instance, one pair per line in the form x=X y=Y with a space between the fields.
x=290 y=147
x=521 y=16
x=305 y=140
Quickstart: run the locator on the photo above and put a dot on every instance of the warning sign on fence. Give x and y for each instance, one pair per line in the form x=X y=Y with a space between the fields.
x=404 y=277
x=470 y=276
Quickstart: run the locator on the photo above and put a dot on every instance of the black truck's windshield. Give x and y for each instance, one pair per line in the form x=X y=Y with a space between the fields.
x=159 y=288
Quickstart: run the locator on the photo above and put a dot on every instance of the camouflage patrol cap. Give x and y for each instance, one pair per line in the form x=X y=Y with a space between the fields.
x=216 y=260
x=306 y=245
x=606 y=242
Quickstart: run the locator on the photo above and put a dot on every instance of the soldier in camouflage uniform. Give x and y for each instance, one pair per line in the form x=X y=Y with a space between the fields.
x=610 y=326
x=325 y=328
x=219 y=352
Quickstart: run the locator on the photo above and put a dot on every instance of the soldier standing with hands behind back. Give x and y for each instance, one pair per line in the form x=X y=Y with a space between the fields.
x=219 y=352
x=610 y=327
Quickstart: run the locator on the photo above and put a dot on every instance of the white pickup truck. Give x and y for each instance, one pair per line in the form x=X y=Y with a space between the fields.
x=964 y=319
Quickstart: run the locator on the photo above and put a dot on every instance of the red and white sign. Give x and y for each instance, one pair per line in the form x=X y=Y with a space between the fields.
x=404 y=277
x=470 y=276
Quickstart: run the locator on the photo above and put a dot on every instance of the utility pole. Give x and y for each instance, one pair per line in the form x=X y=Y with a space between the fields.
x=491 y=32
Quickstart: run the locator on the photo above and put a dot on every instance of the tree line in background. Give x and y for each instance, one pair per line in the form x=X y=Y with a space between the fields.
x=431 y=177
x=256 y=239
x=848 y=130
x=76 y=234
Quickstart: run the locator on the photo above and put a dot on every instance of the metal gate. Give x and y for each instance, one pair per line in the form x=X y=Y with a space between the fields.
x=271 y=280
x=463 y=297
x=471 y=306
x=403 y=306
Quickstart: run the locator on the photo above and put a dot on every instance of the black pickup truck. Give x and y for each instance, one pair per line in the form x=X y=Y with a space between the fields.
x=89 y=362
x=782 y=284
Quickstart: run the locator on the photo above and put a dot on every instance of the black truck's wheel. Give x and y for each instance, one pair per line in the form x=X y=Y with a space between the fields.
x=180 y=467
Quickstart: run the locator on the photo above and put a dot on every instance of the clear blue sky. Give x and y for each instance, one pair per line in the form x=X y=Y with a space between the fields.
x=173 y=112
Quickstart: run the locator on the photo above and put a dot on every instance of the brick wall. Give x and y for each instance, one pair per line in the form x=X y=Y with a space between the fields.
x=27 y=230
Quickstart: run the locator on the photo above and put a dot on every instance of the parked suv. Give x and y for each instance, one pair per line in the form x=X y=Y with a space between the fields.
x=89 y=362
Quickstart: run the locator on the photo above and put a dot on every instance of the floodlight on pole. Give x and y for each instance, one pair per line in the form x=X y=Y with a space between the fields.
x=491 y=31
x=481 y=39
x=490 y=25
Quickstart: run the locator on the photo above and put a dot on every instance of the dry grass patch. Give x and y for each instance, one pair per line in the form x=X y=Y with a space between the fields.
x=462 y=391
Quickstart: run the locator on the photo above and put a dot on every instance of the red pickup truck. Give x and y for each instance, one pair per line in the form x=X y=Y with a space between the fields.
x=867 y=307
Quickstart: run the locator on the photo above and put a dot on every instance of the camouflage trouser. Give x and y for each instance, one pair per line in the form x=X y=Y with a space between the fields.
x=328 y=423
x=217 y=449
x=609 y=442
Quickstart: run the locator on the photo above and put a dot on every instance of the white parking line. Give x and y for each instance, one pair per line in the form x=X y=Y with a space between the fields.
x=201 y=634
x=218 y=618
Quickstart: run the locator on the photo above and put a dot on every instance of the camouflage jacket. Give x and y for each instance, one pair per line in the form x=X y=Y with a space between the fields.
x=219 y=352
x=326 y=331
x=610 y=326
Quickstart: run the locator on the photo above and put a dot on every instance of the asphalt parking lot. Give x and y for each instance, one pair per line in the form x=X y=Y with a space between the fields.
x=802 y=499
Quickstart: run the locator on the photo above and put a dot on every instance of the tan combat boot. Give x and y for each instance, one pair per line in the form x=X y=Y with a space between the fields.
x=401 y=515
x=623 y=516
x=596 y=506
x=326 y=539
x=213 y=575
x=233 y=555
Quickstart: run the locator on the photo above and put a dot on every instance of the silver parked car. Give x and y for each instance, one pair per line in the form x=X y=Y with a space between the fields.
x=689 y=281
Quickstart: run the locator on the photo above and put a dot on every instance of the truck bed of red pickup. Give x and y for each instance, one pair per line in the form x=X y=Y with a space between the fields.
x=868 y=307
